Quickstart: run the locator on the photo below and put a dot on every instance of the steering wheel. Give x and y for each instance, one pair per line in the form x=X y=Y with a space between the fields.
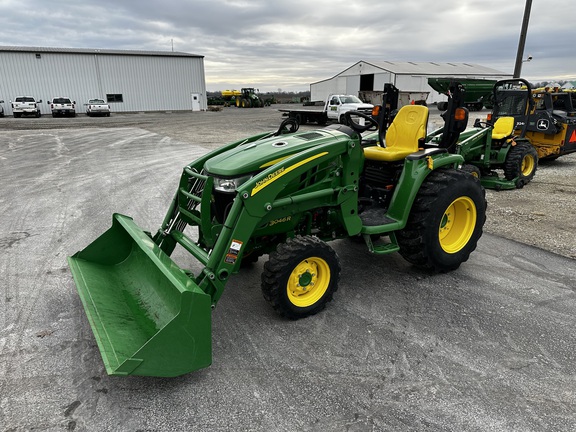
x=372 y=124
x=288 y=126
x=482 y=124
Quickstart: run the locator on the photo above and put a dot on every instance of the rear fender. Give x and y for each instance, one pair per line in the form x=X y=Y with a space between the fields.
x=417 y=167
x=498 y=156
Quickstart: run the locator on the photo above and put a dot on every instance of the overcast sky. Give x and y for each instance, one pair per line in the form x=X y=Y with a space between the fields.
x=288 y=44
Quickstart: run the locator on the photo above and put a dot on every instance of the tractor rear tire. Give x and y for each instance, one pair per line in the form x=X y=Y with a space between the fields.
x=445 y=222
x=521 y=162
x=301 y=277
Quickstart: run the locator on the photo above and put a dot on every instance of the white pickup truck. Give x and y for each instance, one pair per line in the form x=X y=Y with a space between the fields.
x=62 y=106
x=23 y=105
x=97 y=107
x=334 y=109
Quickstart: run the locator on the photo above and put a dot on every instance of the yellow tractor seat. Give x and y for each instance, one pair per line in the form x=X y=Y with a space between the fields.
x=403 y=137
x=503 y=128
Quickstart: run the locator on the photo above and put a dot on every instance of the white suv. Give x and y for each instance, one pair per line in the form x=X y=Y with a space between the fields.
x=25 y=105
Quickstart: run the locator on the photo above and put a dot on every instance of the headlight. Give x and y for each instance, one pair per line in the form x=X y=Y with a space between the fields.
x=229 y=185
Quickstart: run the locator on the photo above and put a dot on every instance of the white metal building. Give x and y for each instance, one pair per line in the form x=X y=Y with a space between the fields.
x=130 y=81
x=408 y=77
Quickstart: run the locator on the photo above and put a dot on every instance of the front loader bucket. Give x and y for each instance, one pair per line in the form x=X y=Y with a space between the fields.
x=148 y=317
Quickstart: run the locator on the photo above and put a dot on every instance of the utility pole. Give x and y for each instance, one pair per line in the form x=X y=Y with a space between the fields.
x=522 y=42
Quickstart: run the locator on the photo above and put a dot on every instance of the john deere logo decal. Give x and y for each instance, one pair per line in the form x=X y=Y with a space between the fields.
x=543 y=124
x=261 y=184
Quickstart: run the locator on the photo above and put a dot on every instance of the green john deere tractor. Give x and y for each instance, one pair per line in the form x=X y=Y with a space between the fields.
x=283 y=194
x=249 y=99
x=494 y=145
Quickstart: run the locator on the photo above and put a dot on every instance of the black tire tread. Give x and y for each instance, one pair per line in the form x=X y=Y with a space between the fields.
x=281 y=261
x=513 y=163
x=411 y=239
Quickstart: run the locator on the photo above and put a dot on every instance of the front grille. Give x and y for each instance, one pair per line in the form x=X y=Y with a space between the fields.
x=191 y=197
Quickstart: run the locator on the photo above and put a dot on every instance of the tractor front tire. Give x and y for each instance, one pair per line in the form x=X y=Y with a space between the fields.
x=445 y=222
x=301 y=277
x=521 y=163
x=472 y=169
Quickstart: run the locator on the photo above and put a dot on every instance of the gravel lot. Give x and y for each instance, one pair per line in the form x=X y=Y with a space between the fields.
x=540 y=214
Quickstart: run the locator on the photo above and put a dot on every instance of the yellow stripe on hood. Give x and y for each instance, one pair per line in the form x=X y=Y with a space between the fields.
x=276 y=175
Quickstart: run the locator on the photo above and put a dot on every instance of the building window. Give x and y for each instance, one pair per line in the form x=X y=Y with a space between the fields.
x=38 y=55
x=111 y=98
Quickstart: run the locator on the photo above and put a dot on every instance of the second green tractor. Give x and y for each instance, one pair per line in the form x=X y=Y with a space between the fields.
x=497 y=150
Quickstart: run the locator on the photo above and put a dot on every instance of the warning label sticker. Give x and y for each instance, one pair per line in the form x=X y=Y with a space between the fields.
x=233 y=252
x=235 y=245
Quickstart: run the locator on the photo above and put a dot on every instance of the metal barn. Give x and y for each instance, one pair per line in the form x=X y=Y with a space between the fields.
x=368 y=78
x=130 y=81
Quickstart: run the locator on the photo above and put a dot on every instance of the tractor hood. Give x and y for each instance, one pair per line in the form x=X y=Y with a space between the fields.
x=257 y=156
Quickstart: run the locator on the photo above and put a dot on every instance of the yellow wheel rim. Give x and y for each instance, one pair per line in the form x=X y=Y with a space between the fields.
x=308 y=282
x=527 y=165
x=457 y=225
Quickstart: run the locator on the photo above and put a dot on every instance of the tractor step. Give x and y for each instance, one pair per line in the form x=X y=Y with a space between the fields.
x=375 y=216
x=381 y=247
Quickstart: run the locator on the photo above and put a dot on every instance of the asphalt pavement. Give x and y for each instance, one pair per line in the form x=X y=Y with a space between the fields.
x=489 y=347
